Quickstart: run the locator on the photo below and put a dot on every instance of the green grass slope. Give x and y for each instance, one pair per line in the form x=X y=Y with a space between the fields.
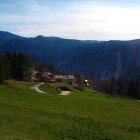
x=20 y=84
x=52 y=88
x=27 y=115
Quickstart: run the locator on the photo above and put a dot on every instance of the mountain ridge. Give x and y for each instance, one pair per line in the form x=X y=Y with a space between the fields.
x=94 y=59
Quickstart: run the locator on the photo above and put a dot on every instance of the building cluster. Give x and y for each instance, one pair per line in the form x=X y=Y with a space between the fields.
x=48 y=77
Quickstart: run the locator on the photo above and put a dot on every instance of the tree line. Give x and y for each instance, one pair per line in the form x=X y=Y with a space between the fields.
x=12 y=66
x=120 y=87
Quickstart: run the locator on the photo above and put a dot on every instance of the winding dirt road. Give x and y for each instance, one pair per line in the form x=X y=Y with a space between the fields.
x=37 y=89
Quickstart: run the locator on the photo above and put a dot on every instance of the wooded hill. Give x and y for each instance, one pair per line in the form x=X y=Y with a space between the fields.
x=13 y=66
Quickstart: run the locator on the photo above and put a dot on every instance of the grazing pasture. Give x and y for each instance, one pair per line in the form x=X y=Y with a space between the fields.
x=27 y=115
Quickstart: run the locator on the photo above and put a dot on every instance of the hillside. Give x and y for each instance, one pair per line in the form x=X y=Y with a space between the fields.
x=94 y=59
x=26 y=114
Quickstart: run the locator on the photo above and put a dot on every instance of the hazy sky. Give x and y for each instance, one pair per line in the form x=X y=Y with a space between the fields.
x=78 y=19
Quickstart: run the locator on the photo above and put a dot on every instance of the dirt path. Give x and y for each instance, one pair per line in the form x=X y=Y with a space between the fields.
x=37 y=89
x=64 y=93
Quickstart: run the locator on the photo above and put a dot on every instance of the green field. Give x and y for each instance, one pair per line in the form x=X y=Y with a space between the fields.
x=52 y=88
x=27 y=115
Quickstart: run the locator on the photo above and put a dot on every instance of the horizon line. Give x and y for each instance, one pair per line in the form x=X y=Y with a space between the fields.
x=69 y=38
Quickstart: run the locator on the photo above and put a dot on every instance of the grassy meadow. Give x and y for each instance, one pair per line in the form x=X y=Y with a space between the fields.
x=27 y=115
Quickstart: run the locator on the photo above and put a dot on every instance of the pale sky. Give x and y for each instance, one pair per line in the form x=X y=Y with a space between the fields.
x=74 y=19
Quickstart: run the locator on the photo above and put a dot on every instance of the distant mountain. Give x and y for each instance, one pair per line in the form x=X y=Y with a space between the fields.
x=94 y=59
x=6 y=36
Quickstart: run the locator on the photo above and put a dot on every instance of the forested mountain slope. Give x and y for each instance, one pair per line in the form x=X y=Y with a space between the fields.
x=95 y=59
